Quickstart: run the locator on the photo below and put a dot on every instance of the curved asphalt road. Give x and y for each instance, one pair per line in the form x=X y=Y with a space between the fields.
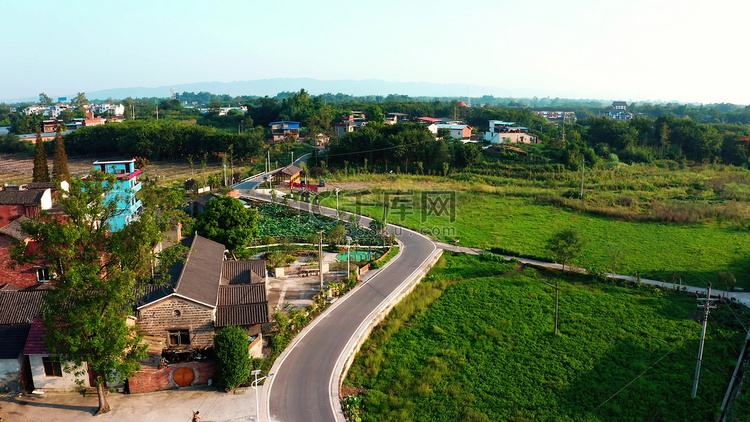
x=304 y=385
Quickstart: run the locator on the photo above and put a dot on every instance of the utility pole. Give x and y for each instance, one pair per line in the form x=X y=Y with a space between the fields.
x=583 y=167
x=557 y=300
x=320 y=259
x=706 y=310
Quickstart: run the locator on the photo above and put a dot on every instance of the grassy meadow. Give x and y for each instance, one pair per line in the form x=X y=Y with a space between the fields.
x=474 y=342
x=660 y=223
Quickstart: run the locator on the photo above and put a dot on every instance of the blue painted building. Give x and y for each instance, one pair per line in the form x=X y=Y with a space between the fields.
x=284 y=128
x=128 y=206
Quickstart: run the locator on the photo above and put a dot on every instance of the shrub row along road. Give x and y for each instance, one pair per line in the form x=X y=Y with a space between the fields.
x=305 y=381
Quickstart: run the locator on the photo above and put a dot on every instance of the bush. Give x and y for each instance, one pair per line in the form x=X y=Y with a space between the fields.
x=230 y=346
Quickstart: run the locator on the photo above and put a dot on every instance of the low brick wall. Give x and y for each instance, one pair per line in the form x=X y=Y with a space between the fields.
x=151 y=379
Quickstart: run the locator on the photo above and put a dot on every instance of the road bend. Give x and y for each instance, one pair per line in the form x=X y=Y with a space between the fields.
x=304 y=384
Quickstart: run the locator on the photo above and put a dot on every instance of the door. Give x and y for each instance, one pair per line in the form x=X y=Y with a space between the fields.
x=183 y=377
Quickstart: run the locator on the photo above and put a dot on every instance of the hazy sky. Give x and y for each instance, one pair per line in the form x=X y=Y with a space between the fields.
x=688 y=50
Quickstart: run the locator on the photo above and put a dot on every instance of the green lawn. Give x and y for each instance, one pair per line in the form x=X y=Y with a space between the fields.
x=696 y=253
x=473 y=342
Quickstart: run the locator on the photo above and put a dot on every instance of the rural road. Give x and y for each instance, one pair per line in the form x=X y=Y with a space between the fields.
x=305 y=381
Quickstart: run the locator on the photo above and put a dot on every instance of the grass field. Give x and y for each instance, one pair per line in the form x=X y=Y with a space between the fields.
x=473 y=342
x=509 y=219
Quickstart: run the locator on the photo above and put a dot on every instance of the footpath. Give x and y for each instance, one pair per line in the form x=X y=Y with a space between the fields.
x=741 y=297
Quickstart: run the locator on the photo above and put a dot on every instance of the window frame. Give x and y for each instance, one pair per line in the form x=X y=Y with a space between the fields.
x=181 y=336
x=52 y=367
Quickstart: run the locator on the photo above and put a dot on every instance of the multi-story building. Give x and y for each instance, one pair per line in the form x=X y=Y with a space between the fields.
x=124 y=193
x=284 y=128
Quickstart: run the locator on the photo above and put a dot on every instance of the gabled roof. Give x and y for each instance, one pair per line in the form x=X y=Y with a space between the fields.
x=244 y=272
x=14 y=339
x=21 y=197
x=289 y=170
x=428 y=119
x=34 y=344
x=14 y=229
x=242 y=305
x=196 y=279
x=201 y=273
x=19 y=307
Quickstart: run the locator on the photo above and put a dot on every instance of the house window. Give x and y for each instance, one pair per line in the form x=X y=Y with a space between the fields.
x=179 y=338
x=52 y=367
x=43 y=274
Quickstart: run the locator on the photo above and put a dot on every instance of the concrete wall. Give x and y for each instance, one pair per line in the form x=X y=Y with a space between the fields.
x=159 y=318
x=10 y=374
x=67 y=382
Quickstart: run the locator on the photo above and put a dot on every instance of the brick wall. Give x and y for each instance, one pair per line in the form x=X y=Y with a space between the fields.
x=9 y=213
x=23 y=275
x=152 y=379
x=159 y=318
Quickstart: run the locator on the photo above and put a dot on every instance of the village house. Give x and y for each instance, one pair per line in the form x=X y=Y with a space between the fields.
x=393 y=118
x=457 y=131
x=619 y=111
x=17 y=312
x=128 y=205
x=283 y=129
x=206 y=295
x=501 y=132
x=350 y=123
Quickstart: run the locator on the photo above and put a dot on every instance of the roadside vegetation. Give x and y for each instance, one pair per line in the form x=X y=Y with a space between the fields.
x=474 y=341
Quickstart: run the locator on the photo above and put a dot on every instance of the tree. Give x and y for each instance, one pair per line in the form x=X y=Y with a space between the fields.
x=227 y=221
x=80 y=100
x=565 y=245
x=97 y=276
x=45 y=99
x=727 y=279
x=375 y=114
x=60 y=170
x=337 y=234
x=41 y=169
x=230 y=347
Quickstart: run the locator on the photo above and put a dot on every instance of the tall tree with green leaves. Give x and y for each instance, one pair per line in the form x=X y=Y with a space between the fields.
x=565 y=245
x=227 y=221
x=41 y=168
x=230 y=347
x=60 y=169
x=97 y=277
x=45 y=99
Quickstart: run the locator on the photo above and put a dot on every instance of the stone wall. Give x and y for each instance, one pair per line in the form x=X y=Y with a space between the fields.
x=179 y=314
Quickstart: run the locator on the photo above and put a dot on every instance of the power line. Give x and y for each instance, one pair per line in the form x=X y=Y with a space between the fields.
x=633 y=380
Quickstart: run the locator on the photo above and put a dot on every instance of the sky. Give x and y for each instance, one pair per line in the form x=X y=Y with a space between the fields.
x=634 y=50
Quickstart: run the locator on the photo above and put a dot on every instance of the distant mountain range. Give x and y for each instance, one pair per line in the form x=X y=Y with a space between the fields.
x=271 y=87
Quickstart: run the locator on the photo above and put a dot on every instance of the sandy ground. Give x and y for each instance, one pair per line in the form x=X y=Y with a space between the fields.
x=162 y=406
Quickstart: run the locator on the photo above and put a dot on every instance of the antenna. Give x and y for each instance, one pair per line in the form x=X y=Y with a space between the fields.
x=468 y=94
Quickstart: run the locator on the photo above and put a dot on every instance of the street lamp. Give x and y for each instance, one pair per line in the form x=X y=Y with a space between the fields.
x=254 y=384
x=337 y=200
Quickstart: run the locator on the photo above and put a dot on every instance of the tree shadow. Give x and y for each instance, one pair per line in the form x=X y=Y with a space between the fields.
x=46 y=404
x=630 y=382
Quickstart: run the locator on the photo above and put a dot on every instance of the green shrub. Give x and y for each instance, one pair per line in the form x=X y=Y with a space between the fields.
x=230 y=346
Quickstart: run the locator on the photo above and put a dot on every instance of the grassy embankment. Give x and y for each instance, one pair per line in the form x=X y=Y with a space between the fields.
x=519 y=214
x=474 y=342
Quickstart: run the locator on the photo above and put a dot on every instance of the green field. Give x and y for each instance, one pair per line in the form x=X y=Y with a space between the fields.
x=505 y=218
x=473 y=342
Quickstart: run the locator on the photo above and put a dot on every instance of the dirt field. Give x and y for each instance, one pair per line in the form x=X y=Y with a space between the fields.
x=17 y=170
